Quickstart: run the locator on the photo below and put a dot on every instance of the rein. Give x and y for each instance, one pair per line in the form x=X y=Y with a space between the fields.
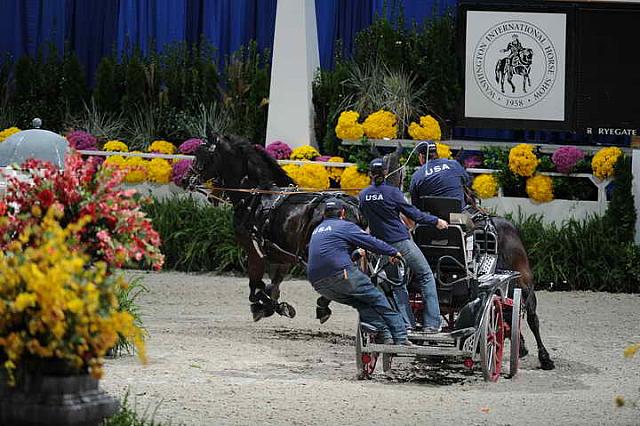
x=294 y=190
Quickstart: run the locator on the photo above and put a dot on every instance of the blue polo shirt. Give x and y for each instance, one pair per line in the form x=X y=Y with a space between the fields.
x=440 y=177
x=332 y=243
x=382 y=206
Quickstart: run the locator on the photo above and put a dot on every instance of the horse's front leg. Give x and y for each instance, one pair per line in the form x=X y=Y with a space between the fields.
x=261 y=303
x=323 y=312
x=546 y=363
x=273 y=289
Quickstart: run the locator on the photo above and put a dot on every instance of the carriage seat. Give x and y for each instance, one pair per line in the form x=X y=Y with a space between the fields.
x=445 y=250
x=446 y=247
x=446 y=208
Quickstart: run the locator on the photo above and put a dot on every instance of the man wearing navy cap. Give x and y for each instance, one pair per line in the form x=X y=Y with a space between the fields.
x=333 y=274
x=438 y=177
x=382 y=204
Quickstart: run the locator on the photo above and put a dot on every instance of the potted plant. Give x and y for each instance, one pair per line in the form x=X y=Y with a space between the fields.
x=58 y=317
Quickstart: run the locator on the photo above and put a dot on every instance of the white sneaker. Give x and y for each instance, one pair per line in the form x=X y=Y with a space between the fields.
x=432 y=330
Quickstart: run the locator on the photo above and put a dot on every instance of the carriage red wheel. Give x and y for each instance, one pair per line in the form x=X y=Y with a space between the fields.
x=492 y=340
x=365 y=361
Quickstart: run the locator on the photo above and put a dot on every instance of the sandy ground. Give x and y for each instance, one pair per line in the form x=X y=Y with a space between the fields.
x=209 y=364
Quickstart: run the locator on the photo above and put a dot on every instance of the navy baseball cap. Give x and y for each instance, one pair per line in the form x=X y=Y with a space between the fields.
x=376 y=163
x=426 y=146
x=333 y=204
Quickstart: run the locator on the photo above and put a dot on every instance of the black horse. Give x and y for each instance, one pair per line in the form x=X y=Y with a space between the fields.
x=518 y=64
x=272 y=220
x=512 y=255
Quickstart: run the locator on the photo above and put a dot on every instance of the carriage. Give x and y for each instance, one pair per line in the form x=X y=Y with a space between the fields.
x=480 y=304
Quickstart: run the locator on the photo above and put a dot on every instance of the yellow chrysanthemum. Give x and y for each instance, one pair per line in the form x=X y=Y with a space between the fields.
x=381 y=124
x=604 y=162
x=136 y=169
x=159 y=170
x=443 y=150
x=8 y=132
x=335 y=172
x=56 y=303
x=485 y=185
x=114 y=161
x=311 y=176
x=305 y=152
x=352 y=181
x=540 y=188
x=162 y=147
x=427 y=130
x=522 y=160
x=115 y=146
x=348 y=126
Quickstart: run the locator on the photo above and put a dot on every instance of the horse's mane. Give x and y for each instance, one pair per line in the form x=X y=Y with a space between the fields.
x=261 y=165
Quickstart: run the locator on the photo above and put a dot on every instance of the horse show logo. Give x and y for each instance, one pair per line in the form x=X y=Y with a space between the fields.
x=515 y=64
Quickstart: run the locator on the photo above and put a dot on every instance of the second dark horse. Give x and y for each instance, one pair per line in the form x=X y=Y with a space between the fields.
x=272 y=221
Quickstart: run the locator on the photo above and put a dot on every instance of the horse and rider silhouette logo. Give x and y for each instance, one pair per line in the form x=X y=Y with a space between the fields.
x=518 y=62
x=515 y=64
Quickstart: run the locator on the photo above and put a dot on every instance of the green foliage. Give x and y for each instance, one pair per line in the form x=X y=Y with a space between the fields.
x=207 y=117
x=128 y=415
x=498 y=159
x=246 y=92
x=48 y=87
x=109 y=85
x=73 y=84
x=103 y=126
x=566 y=188
x=621 y=213
x=127 y=302
x=196 y=236
x=361 y=154
x=135 y=85
x=329 y=93
x=580 y=255
x=545 y=164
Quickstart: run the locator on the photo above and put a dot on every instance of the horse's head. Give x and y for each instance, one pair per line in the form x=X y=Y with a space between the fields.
x=232 y=162
x=526 y=56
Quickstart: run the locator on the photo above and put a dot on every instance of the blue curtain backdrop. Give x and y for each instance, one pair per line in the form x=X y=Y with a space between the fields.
x=95 y=28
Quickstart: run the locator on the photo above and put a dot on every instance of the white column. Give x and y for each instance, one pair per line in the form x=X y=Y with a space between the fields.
x=635 y=188
x=295 y=61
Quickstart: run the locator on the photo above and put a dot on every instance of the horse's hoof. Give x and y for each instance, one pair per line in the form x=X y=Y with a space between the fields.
x=258 y=312
x=545 y=361
x=547 y=364
x=523 y=352
x=286 y=310
x=323 y=314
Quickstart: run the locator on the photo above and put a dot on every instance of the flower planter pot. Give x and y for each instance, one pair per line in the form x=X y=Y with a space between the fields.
x=52 y=396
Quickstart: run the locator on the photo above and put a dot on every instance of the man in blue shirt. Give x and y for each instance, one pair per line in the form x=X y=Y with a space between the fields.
x=382 y=204
x=333 y=274
x=438 y=177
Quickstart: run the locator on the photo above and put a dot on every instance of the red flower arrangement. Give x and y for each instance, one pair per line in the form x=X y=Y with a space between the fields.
x=118 y=232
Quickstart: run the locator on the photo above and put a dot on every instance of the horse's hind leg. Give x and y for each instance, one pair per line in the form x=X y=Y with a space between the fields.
x=273 y=289
x=546 y=363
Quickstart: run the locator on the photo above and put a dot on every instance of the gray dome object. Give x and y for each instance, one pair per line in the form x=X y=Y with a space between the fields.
x=34 y=143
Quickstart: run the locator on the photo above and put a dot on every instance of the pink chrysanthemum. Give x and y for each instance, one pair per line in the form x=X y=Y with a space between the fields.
x=566 y=158
x=189 y=146
x=179 y=170
x=278 y=150
x=82 y=140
